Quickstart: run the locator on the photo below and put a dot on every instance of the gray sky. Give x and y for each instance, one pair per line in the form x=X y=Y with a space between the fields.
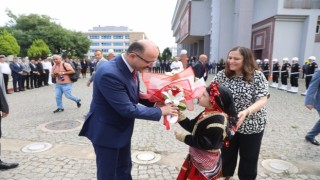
x=150 y=16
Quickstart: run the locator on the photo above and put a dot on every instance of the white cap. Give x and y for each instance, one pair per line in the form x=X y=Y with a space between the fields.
x=295 y=59
x=266 y=60
x=285 y=59
x=183 y=51
x=110 y=51
x=275 y=60
x=258 y=60
x=312 y=58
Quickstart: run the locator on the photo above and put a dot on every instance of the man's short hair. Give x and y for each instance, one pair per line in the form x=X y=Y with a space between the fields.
x=2 y=56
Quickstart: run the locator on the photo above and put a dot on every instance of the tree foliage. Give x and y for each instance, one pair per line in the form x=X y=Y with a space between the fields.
x=38 y=49
x=166 y=54
x=26 y=28
x=8 y=44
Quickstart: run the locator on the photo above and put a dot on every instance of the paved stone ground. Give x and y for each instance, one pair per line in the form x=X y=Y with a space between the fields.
x=72 y=157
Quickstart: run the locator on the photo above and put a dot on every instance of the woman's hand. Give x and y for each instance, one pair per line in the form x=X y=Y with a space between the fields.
x=242 y=116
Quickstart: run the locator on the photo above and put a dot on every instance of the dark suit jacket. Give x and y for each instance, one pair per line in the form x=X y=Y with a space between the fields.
x=199 y=70
x=4 y=107
x=114 y=106
x=15 y=69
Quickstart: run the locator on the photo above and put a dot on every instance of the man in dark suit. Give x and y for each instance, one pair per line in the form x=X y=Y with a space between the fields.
x=114 y=107
x=200 y=69
x=4 y=108
x=33 y=74
x=16 y=70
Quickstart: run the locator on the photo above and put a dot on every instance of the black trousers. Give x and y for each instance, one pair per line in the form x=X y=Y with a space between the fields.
x=308 y=80
x=294 y=80
x=46 y=77
x=25 y=81
x=33 y=80
x=248 y=146
x=6 y=80
x=284 y=79
x=275 y=77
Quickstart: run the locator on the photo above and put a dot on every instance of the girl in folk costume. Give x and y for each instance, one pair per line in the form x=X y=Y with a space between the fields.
x=207 y=133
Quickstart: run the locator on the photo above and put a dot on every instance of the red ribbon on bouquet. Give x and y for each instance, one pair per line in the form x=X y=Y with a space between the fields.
x=158 y=83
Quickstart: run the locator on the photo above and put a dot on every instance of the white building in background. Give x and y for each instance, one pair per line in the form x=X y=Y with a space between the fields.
x=271 y=28
x=117 y=38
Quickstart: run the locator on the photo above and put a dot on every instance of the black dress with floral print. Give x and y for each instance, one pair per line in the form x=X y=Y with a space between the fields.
x=245 y=94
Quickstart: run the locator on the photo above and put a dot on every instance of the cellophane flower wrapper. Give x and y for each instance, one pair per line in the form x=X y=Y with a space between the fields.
x=156 y=84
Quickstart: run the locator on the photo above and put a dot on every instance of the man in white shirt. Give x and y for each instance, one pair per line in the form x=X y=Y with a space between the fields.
x=6 y=72
x=176 y=66
x=47 y=66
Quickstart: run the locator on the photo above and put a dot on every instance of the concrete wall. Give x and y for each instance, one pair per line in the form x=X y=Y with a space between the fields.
x=287 y=39
x=260 y=7
x=200 y=18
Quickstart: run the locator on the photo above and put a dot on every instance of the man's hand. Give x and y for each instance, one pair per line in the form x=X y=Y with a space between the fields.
x=309 y=107
x=4 y=114
x=88 y=83
x=169 y=109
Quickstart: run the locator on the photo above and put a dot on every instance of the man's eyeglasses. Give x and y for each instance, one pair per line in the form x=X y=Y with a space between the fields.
x=146 y=61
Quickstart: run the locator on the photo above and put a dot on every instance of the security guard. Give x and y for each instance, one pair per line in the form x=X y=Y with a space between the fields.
x=285 y=73
x=275 y=73
x=266 y=68
x=311 y=67
x=294 y=75
x=258 y=61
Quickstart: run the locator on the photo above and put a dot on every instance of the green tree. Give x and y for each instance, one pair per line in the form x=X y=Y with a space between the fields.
x=26 y=28
x=38 y=49
x=8 y=44
x=166 y=54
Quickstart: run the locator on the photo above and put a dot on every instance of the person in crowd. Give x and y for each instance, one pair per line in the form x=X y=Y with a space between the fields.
x=266 y=68
x=214 y=67
x=258 y=61
x=114 y=108
x=16 y=70
x=312 y=101
x=99 y=61
x=6 y=71
x=25 y=73
x=62 y=71
x=84 y=67
x=176 y=65
x=41 y=73
x=275 y=73
x=285 y=73
x=46 y=68
x=183 y=58
x=305 y=67
x=250 y=91
x=167 y=65
x=33 y=74
x=200 y=69
x=294 y=75
x=110 y=54
x=206 y=134
x=310 y=69
x=4 y=109
x=162 y=66
x=91 y=66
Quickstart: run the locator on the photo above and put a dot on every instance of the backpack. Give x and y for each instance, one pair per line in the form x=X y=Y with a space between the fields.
x=75 y=76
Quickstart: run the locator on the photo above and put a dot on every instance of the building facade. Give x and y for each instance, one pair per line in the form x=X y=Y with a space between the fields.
x=272 y=29
x=117 y=38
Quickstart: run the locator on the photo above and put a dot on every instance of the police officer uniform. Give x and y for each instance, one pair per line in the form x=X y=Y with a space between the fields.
x=294 y=75
x=309 y=72
x=284 y=74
